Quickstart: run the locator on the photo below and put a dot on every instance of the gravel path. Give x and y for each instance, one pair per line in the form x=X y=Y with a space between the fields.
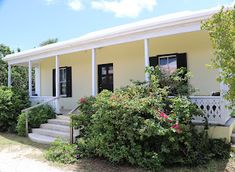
x=19 y=159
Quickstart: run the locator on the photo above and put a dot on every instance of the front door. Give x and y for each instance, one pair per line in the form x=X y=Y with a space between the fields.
x=105 y=77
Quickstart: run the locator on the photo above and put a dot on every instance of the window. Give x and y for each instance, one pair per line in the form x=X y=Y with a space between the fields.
x=105 y=77
x=65 y=82
x=168 y=64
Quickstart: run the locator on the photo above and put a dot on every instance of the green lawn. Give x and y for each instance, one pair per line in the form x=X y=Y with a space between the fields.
x=13 y=143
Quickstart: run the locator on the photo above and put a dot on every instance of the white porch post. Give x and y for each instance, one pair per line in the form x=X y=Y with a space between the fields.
x=57 y=82
x=37 y=80
x=146 y=57
x=9 y=75
x=30 y=78
x=94 y=73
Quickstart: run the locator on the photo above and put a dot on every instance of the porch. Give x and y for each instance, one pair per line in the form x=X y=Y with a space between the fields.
x=109 y=59
x=74 y=75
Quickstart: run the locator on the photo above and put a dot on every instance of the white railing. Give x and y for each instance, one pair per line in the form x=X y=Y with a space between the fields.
x=52 y=102
x=41 y=99
x=214 y=109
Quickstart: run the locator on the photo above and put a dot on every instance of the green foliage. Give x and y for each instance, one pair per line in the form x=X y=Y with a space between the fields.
x=12 y=101
x=62 y=152
x=20 y=127
x=177 y=83
x=87 y=110
x=141 y=125
x=221 y=28
x=36 y=117
x=49 y=41
x=19 y=74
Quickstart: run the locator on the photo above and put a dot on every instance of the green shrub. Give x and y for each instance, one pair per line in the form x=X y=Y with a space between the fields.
x=12 y=101
x=86 y=108
x=20 y=127
x=62 y=152
x=36 y=117
x=141 y=125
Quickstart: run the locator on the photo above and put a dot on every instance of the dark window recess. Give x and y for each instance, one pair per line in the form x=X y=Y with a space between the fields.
x=105 y=77
x=65 y=82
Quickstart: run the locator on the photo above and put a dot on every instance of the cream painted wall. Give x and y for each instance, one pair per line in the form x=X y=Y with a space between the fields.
x=128 y=63
x=199 y=54
x=127 y=59
x=81 y=76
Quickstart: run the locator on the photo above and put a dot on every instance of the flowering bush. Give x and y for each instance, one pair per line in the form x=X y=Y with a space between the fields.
x=141 y=125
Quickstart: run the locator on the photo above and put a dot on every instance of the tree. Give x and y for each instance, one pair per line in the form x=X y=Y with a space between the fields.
x=221 y=29
x=19 y=73
x=49 y=41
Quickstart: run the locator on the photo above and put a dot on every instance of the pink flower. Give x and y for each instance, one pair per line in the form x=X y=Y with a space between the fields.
x=176 y=127
x=82 y=100
x=163 y=115
x=170 y=120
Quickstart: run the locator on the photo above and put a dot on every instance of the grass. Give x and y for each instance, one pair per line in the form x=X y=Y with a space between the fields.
x=14 y=143
x=7 y=139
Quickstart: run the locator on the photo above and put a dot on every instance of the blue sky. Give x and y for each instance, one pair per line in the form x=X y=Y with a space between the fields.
x=26 y=23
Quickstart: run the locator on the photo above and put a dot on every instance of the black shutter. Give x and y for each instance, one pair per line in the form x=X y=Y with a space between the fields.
x=182 y=60
x=69 y=81
x=153 y=61
x=53 y=82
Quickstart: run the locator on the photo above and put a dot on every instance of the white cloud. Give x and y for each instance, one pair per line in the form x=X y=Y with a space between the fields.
x=124 y=8
x=75 y=5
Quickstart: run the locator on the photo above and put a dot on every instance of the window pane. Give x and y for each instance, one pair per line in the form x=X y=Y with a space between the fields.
x=104 y=71
x=110 y=69
x=63 y=75
x=63 y=89
x=172 y=64
x=163 y=64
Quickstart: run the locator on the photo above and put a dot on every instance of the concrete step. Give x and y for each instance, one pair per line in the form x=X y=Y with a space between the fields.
x=63 y=117
x=59 y=122
x=41 y=138
x=51 y=133
x=56 y=127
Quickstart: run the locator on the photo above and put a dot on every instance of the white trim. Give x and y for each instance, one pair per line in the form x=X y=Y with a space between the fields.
x=57 y=75
x=146 y=57
x=151 y=28
x=38 y=80
x=94 y=73
x=9 y=76
x=103 y=42
x=30 y=78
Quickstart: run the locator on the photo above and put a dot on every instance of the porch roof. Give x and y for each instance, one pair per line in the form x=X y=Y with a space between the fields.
x=155 y=27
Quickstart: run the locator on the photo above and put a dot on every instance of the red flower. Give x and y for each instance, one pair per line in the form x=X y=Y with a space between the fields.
x=82 y=100
x=170 y=120
x=176 y=127
x=163 y=115
x=113 y=97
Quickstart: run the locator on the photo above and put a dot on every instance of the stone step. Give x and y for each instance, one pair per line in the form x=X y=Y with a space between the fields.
x=63 y=117
x=56 y=127
x=59 y=122
x=51 y=133
x=41 y=138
